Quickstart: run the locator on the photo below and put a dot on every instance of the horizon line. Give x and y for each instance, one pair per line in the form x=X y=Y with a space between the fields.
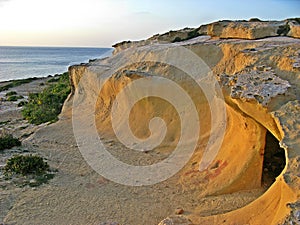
x=52 y=46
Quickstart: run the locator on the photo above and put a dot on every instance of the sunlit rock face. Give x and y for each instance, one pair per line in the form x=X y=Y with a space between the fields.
x=256 y=65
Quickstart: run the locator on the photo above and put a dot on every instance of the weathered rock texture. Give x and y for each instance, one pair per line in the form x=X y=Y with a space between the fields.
x=257 y=66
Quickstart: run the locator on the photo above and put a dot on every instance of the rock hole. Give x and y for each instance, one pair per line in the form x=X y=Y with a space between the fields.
x=274 y=160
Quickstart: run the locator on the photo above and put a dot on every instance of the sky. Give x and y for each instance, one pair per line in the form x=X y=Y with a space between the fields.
x=101 y=23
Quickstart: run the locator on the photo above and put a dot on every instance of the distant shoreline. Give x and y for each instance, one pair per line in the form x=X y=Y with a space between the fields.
x=6 y=85
x=82 y=47
x=27 y=62
x=31 y=78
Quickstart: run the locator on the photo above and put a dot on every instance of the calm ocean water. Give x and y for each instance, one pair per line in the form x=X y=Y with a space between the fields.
x=24 y=62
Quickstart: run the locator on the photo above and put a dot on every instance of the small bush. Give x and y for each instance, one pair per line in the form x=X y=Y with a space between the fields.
x=22 y=103
x=283 y=30
x=177 y=39
x=24 y=165
x=7 y=141
x=46 y=106
x=192 y=34
x=255 y=20
x=297 y=19
x=52 y=80
x=4 y=122
x=14 y=98
x=10 y=93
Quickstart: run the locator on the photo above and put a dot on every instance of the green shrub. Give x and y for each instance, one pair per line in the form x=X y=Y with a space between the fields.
x=255 y=20
x=42 y=179
x=14 y=98
x=24 y=165
x=177 y=39
x=46 y=106
x=10 y=93
x=295 y=19
x=283 y=30
x=4 y=122
x=8 y=141
x=22 y=103
x=52 y=80
x=194 y=33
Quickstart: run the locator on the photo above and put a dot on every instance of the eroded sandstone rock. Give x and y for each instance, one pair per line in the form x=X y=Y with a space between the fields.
x=260 y=82
x=256 y=85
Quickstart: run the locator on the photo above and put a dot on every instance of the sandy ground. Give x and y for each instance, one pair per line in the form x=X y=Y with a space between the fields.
x=78 y=195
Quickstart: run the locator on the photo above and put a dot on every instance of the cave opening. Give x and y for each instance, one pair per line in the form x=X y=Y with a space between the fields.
x=274 y=160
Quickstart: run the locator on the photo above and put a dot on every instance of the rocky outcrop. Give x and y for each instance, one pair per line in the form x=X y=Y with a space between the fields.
x=246 y=29
x=250 y=30
x=171 y=36
x=75 y=75
x=294 y=29
x=256 y=66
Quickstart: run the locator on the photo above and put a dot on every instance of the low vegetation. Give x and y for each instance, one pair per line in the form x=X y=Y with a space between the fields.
x=14 y=98
x=283 y=30
x=7 y=141
x=46 y=106
x=26 y=164
x=52 y=80
x=22 y=103
x=4 y=122
x=11 y=93
x=16 y=83
x=192 y=34
x=255 y=20
x=177 y=39
x=23 y=170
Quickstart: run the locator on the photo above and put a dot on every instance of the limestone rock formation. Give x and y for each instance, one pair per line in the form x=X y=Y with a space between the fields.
x=225 y=29
x=246 y=30
x=256 y=65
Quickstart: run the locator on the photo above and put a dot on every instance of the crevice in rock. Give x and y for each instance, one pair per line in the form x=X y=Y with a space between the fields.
x=274 y=160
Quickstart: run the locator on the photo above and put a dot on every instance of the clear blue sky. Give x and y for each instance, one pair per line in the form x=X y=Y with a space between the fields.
x=104 y=22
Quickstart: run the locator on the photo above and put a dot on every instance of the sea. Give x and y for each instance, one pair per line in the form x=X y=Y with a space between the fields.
x=25 y=62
